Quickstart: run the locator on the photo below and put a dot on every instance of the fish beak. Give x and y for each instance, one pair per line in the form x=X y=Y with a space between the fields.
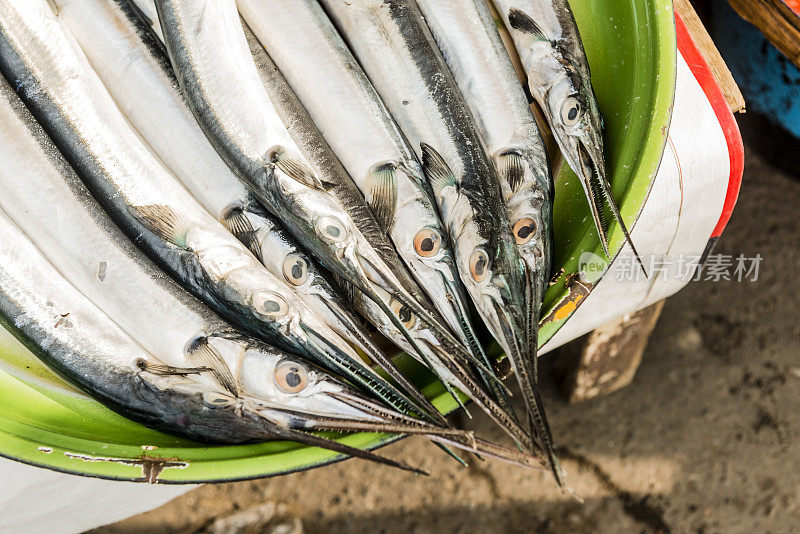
x=441 y=352
x=590 y=161
x=592 y=174
x=368 y=416
x=421 y=404
x=457 y=298
x=383 y=290
x=523 y=362
x=511 y=332
x=334 y=354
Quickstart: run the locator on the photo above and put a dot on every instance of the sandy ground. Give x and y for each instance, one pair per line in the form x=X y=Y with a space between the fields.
x=705 y=439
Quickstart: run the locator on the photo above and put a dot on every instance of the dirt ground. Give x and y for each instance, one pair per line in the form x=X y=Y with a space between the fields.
x=705 y=440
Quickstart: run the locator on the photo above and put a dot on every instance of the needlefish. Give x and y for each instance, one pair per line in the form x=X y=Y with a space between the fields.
x=147 y=92
x=257 y=123
x=549 y=45
x=398 y=53
x=385 y=168
x=473 y=49
x=99 y=312
x=56 y=81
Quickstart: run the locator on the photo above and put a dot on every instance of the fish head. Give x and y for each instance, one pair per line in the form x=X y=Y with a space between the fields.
x=572 y=111
x=298 y=395
x=431 y=261
x=284 y=308
x=495 y=278
x=284 y=382
x=525 y=178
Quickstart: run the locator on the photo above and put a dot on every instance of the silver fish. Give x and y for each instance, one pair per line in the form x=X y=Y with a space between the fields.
x=349 y=113
x=243 y=107
x=57 y=82
x=154 y=353
x=398 y=53
x=473 y=49
x=147 y=92
x=550 y=48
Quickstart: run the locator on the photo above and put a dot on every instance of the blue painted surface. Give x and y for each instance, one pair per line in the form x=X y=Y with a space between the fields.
x=769 y=81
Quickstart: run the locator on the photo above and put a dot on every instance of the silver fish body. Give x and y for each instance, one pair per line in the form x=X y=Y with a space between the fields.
x=55 y=79
x=398 y=53
x=349 y=113
x=242 y=104
x=549 y=45
x=474 y=51
x=147 y=92
x=104 y=316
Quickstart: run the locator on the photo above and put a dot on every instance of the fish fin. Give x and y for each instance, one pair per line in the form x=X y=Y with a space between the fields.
x=202 y=350
x=163 y=369
x=295 y=168
x=318 y=441
x=163 y=222
x=436 y=169
x=239 y=225
x=384 y=194
x=511 y=166
x=522 y=22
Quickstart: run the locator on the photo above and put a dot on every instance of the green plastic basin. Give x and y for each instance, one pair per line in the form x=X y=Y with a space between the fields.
x=632 y=53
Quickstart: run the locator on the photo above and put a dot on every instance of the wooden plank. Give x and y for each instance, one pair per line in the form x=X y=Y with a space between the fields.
x=609 y=357
x=723 y=76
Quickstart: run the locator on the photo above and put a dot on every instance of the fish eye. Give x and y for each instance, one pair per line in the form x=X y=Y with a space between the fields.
x=428 y=243
x=331 y=229
x=295 y=269
x=571 y=111
x=403 y=313
x=291 y=377
x=270 y=304
x=479 y=265
x=524 y=230
x=213 y=398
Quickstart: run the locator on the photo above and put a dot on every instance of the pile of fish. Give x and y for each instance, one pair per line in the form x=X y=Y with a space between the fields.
x=234 y=201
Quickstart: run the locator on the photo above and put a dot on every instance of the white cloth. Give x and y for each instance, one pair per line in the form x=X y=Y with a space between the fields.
x=35 y=500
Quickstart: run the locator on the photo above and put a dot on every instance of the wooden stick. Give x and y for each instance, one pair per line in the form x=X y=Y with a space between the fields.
x=723 y=76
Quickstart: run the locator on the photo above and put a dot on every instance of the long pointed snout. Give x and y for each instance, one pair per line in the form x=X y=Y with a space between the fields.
x=344 y=361
x=376 y=354
x=598 y=193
